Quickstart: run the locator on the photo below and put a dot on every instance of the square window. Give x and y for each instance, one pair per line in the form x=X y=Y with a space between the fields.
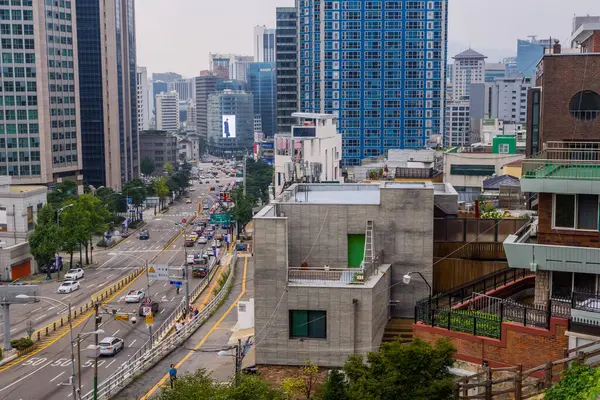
x=308 y=324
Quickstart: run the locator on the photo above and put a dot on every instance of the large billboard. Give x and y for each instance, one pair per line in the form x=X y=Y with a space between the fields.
x=228 y=126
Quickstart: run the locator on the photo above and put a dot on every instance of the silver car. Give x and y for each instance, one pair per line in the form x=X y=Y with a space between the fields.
x=109 y=346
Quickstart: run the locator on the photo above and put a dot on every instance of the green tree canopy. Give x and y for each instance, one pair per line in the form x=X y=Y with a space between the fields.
x=169 y=168
x=147 y=166
x=580 y=382
x=242 y=209
x=417 y=371
x=66 y=190
x=259 y=176
x=136 y=190
x=199 y=386
x=45 y=240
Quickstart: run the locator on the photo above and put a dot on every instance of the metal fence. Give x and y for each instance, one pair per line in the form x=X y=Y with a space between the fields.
x=147 y=357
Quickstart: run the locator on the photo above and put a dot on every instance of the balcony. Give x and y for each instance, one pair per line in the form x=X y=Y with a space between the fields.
x=523 y=251
x=563 y=167
x=327 y=276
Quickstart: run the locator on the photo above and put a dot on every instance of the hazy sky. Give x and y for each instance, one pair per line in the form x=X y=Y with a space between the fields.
x=177 y=35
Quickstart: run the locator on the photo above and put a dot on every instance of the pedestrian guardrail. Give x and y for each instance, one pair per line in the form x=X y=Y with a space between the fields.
x=144 y=360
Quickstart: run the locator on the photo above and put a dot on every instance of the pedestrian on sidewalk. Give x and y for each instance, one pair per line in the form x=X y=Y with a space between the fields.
x=196 y=311
x=172 y=374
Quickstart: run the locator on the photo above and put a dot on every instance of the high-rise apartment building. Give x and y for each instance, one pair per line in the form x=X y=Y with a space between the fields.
x=108 y=91
x=469 y=68
x=157 y=88
x=230 y=66
x=167 y=112
x=40 y=140
x=264 y=44
x=205 y=85
x=378 y=65
x=286 y=68
x=143 y=100
x=262 y=83
x=237 y=109
x=493 y=71
x=458 y=123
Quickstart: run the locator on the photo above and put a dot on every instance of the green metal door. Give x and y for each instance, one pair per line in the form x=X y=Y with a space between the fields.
x=356 y=250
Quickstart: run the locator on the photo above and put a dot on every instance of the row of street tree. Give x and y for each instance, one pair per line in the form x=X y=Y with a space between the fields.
x=69 y=222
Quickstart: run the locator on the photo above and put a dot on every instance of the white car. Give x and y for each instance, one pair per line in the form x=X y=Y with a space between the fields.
x=190 y=259
x=110 y=346
x=202 y=240
x=74 y=274
x=134 y=296
x=68 y=287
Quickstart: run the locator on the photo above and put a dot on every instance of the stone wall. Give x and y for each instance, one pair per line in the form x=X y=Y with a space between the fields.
x=542 y=287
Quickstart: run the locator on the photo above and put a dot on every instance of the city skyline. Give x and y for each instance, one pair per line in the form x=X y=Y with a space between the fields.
x=160 y=48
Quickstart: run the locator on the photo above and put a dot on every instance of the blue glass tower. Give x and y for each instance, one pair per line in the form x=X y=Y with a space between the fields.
x=528 y=55
x=263 y=86
x=380 y=65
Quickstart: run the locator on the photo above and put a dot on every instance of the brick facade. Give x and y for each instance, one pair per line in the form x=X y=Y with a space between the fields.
x=520 y=344
x=542 y=287
x=559 y=87
x=592 y=44
x=561 y=237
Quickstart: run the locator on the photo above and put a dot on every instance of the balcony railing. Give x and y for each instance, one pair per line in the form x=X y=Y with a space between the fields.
x=327 y=275
x=565 y=161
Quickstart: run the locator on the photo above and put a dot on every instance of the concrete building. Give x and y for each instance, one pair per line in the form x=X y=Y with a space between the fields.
x=312 y=153
x=157 y=88
x=19 y=206
x=264 y=44
x=205 y=85
x=167 y=112
x=40 y=139
x=230 y=66
x=189 y=147
x=329 y=261
x=377 y=69
x=190 y=122
x=286 y=68
x=185 y=89
x=493 y=71
x=143 y=99
x=458 y=124
x=161 y=147
x=586 y=34
x=511 y=66
x=108 y=90
x=229 y=103
x=263 y=86
x=508 y=100
x=469 y=67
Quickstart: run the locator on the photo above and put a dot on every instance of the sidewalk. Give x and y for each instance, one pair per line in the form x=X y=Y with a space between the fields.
x=214 y=334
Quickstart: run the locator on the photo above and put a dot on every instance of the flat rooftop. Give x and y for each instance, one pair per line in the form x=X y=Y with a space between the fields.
x=345 y=193
x=25 y=188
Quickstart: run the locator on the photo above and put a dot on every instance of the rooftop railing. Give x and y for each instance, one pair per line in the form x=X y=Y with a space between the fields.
x=564 y=160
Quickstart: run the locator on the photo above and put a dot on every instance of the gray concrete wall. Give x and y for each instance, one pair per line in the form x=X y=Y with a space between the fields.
x=380 y=300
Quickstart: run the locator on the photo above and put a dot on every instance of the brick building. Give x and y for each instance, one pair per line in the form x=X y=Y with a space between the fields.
x=562 y=177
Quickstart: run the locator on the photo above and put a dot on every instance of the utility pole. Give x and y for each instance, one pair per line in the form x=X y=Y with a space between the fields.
x=238 y=362
x=147 y=280
x=72 y=353
x=186 y=287
x=96 y=323
x=79 y=362
x=245 y=167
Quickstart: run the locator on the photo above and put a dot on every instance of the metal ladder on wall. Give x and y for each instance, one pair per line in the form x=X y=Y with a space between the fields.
x=369 y=250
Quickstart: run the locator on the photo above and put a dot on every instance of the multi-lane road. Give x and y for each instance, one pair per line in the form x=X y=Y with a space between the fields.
x=46 y=373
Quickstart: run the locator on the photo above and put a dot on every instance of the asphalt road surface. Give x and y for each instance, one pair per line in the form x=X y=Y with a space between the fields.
x=50 y=369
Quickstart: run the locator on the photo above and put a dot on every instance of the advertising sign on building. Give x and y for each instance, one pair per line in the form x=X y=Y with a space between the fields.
x=228 y=126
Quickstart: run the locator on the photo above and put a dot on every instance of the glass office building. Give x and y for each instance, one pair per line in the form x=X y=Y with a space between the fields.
x=262 y=83
x=379 y=65
x=286 y=58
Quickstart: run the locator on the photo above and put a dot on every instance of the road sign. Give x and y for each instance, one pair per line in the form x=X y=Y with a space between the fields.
x=122 y=317
x=158 y=272
x=148 y=300
x=183 y=221
x=129 y=200
x=220 y=219
x=147 y=311
x=149 y=320
x=174 y=282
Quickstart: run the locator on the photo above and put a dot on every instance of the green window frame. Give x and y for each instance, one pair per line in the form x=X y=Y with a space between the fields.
x=308 y=324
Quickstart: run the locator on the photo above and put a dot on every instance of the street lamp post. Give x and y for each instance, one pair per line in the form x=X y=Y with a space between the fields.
x=79 y=339
x=186 y=287
x=406 y=279
x=60 y=210
x=50 y=300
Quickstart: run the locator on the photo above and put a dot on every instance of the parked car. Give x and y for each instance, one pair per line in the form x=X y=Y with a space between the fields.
x=109 y=346
x=144 y=235
x=147 y=303
x=68 y=287
x=51 y=266
x=74 y=274
x=135 y=296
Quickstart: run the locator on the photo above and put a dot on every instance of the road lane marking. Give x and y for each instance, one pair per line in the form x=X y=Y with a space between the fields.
x=205 y=338
x=40 y=317
x=26 y=376
x=108 y=277
x=67 y=296
x=91 y=286
x=110 y=363
x=37 y=309
x=132 y=342
x=166 y=283
x=162 y=311
x=56 y=377
x=117 y=331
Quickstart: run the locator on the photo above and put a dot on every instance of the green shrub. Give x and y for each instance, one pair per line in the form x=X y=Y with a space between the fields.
x=580 y=382
x=21 y=344
x=474 y=322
